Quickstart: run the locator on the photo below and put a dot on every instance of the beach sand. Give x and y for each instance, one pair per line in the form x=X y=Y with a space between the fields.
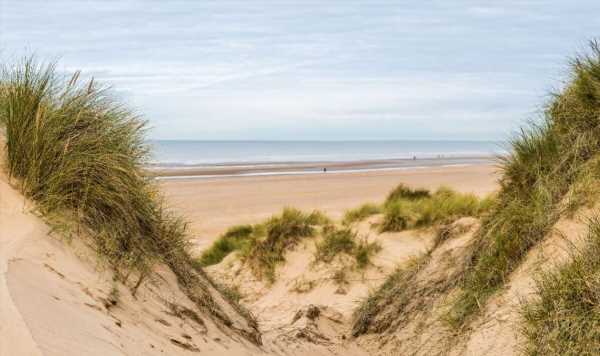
x=211 y=205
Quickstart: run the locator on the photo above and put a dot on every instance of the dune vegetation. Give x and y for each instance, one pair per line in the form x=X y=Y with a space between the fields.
x=78 y=154
x=235 y=238
x=402 y=192
x=564 y=319
x=281 y=233
x=263 y=246
x=399 y=287
x=406 y=208
x=361 y=213
x=552 y=171
x=345 y=241
x=548 y=174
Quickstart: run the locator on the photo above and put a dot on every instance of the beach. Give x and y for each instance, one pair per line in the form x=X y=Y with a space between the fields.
x=211 y=205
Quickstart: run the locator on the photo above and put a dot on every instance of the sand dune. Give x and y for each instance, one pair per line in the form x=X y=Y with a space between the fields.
x=56 y=299
x=301 y=283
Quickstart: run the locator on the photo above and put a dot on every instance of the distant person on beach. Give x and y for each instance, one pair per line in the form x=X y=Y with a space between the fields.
x=325 y=170
x=414 y=158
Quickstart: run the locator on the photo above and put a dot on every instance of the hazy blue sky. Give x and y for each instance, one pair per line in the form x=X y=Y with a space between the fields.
x=314 y=69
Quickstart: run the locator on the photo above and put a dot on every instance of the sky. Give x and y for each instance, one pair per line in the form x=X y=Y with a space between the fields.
x=313 y=70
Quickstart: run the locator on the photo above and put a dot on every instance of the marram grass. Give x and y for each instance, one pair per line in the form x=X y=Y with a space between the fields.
x=545 y=176
x=263 y=246
x=235 y=238
x=564 y=316
x=78 y=153
x=361 y=213
x=338 y=241
x=281 y=233
x=406 y=208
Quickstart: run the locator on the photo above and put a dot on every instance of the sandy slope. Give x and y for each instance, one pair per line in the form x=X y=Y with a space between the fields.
x=302 y=284
x=496 y=332
x=55 y=300
x=213 y=205
x=15 y=226
x=419 y=330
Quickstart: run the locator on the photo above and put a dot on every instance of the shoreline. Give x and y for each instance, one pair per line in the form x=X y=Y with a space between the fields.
x=309 y=168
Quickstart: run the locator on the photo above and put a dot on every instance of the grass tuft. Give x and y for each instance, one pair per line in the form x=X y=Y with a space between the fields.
x=335 y=241
x=235 y=238
x=360 y=213
x=422 y=210
x=345 y=241
x=364 y=251
x=402 y=192
x=397 y=291
x=263 y=245
x=281 y=233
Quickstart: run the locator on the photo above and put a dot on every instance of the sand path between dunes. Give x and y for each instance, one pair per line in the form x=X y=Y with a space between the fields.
x=213 y=205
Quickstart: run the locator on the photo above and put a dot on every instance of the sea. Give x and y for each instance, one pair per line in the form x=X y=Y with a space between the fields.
x=303 y=157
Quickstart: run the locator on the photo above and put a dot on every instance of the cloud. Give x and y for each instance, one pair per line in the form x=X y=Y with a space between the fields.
x=335 y=69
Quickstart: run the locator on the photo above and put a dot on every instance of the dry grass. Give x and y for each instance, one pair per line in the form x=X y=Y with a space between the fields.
x=374 y=315
x=544 y=178
x=235 y=238
x=78 y=153
x=345 y=241
x=280 y=234
x=360 y=213
x=564 y=319
x=551 y=171
x=263 y=246
x=416 y=209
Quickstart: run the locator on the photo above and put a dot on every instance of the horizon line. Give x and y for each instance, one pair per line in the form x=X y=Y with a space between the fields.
x=324 y=140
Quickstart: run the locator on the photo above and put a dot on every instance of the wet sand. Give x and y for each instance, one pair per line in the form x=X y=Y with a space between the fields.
x=297 y=168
